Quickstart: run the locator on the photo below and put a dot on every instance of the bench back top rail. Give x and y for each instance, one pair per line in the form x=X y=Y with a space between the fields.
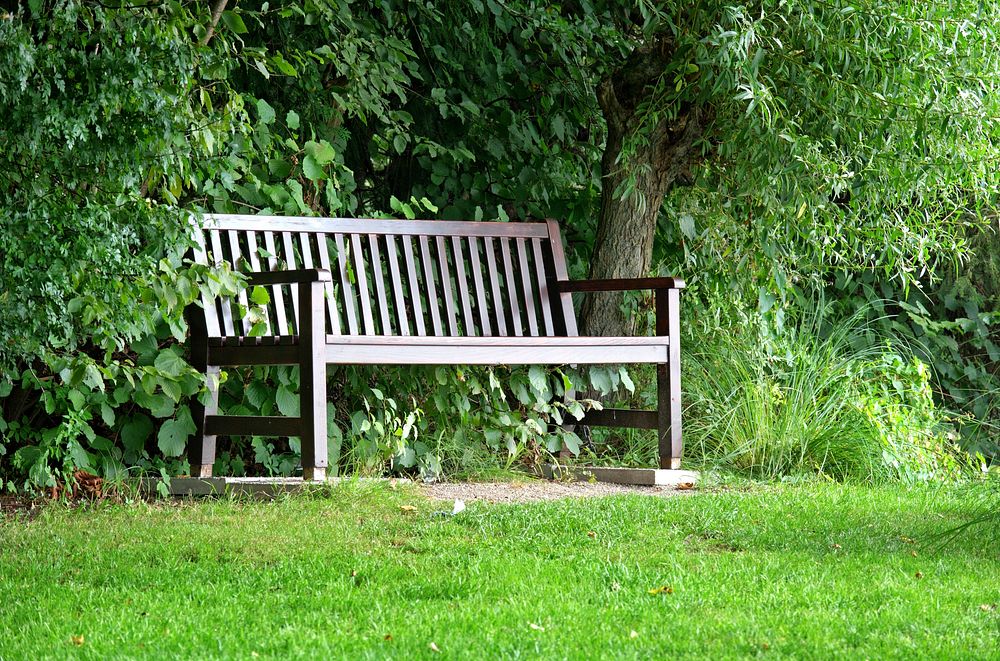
x=394 y=277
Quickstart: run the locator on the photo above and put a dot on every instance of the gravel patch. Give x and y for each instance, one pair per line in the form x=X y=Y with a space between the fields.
x=535 y=490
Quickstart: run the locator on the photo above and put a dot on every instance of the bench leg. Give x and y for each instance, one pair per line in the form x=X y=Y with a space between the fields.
x=668 y=381
x=201 y=450
x=312 y=380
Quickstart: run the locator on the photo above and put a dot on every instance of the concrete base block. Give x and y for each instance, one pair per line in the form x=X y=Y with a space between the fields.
x=650 y=477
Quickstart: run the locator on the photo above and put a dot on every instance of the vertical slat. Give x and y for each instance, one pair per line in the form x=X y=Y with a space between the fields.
x=411 y=274
x=286 y=241
x=305 y=250
x=477 y=279
x=323 y=252
x=235 y=253
x=508 y=266
x=491 y=267
x=432 y=300
x=398 y=296
x=543 y=286
x=279 y=295
x=381 y=301
x=361 y=275
x=345 y=285
x=228 y=329
x=208 y=303
x=449 y=301
x=463 y=286
x=527 y=290
x=254 y=260
x=558 y=269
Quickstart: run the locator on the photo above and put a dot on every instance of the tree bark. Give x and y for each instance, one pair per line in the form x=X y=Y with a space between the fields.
x=623 y=247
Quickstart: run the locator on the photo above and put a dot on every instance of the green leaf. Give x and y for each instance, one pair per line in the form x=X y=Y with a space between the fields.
x=312 y=169
x=174 y=434
x=258 y=393
x=600 y=379
x=287 y=401
x=170 y=362
x=322 y=151
x=539 y=379
x=260 y=296
x=399 y=143
x=626 y=379
x=284 y=66
x=234 y=22
x=264 y=111
x=686 y=222
x=107 y=414
x=135 y=432
x=77 y=398
x=292 y=119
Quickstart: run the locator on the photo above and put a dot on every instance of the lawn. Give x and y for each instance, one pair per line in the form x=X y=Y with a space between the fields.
x=808 y=571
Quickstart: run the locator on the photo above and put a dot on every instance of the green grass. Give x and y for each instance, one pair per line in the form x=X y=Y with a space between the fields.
x=810 y=571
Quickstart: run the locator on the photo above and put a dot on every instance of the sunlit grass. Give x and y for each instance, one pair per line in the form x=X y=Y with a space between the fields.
x=813 y=571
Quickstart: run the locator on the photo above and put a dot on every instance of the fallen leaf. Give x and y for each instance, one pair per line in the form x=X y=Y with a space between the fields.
x=835 y=547
x=76 y=640
x=536 y=627
x=987 y=608
x=354 y=572
x=434 y=648
x=254 y=654
x=907 y=540
x=616 y=586
x=388 y=636
x=591 y=534
x=407 y=508
x=633 y=634
x=919 y=574
x=765 y=646
x=663 y=589
x=392 y=483
x=685 y=486
x=913 y=553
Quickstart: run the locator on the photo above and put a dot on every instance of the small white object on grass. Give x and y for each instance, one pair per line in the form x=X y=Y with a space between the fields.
x=459 y=507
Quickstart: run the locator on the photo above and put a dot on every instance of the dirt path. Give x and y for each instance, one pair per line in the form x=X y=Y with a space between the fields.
x=534 y=490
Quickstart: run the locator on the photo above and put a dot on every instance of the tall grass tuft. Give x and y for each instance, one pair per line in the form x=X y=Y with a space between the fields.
x=772 y=412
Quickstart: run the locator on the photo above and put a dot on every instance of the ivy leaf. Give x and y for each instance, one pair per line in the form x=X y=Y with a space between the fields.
x=287 y=401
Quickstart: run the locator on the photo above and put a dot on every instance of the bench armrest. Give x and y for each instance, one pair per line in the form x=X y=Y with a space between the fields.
x=630 y=284
x=291 y=277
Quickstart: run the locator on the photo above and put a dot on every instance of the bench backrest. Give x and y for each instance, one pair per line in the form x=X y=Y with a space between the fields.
x=395 y=277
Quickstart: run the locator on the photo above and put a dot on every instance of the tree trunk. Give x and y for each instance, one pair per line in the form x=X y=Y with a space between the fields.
x=624 y=244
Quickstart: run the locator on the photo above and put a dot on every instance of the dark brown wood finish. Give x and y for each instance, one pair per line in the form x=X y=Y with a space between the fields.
x=501 y=288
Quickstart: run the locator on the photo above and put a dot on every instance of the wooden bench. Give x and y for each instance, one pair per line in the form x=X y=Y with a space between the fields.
x=347 y=291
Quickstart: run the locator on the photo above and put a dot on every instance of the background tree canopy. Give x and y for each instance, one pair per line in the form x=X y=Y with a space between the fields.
x=771 y=152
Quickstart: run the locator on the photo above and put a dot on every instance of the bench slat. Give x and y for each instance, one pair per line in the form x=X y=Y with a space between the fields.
x=361 y=277
x=346 y=289
x=254 y=260
x=380 y=297
x=373 y=226
x=411 y=274
x=279 y=296
x=543 y=289
x=515 y=307
x=290 y=263
x=333 y=312
x=432 y=298
x=208 y=304
x=557 y=267
x=477 y=279
x=494 y=274
x=227 y=312
x=398 y=295
x=236 y=256
x=449 y=301
x=527 y=290
x=463 y=286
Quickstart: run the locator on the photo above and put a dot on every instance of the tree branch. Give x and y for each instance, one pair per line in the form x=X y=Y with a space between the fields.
x=217 y=9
